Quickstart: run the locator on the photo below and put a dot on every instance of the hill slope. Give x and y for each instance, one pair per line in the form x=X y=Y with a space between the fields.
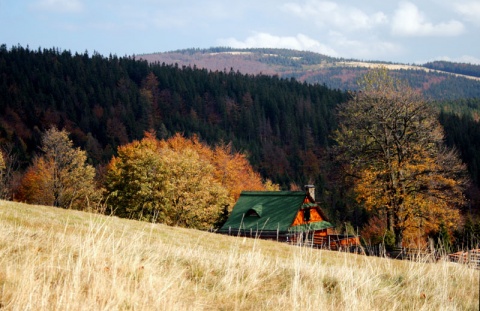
x=439 y=80
x=61 y=259
x=283 y=125
x=107 y=102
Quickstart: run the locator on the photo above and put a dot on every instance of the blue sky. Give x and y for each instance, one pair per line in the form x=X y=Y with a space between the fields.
x=398 y=31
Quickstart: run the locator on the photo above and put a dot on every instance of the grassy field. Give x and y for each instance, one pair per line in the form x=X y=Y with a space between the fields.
x=55 y=259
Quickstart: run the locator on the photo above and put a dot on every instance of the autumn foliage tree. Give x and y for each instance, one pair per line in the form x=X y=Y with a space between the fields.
x=60 y=176
x=231 y=169
x=391 y=144
x=178 y=181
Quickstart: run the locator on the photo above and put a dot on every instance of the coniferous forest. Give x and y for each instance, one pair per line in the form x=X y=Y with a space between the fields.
x=284 y=126
x=106 y=102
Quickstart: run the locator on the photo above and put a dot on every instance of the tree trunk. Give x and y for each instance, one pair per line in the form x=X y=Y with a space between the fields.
x=390 y=220
x=398 y=237
x=398 y=230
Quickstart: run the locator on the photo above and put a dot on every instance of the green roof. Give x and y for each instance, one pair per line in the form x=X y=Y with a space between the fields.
x=269 y=211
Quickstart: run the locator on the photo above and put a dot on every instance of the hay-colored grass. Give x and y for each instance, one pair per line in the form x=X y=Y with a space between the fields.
x=55 y=259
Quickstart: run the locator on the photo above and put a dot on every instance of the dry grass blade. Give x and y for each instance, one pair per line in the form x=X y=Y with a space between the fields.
x=55 y=259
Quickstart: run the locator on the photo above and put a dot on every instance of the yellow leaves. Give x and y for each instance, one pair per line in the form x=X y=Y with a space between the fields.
x=427 y=218
x=418 y=192
x=133 y=179
x=191 y=194
x=370 y=190
x=392 y=141
x=184 y=182
x=2 y=162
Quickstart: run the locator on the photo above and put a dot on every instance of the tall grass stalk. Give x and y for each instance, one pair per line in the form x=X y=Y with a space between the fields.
x=55 y=259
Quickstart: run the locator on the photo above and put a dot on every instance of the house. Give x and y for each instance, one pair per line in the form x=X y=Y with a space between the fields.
x=285 y=216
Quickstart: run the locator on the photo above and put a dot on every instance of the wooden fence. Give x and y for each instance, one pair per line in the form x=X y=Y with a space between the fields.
x=352 y=244
x=470 y=257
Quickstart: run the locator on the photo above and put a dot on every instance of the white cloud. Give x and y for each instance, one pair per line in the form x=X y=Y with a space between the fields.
x=338 y=45
x=264 y=40
x=60 y=6
x=409 y=21
x=470 y=10
x=331 y=14
x=368 y=48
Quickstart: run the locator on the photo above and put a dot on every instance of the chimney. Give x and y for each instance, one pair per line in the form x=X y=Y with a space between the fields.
x=310 y=190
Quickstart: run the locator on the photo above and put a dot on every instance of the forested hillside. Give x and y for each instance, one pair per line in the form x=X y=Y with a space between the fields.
x=459 y=68
x=437 y=80
x=107 y=102
x=283 y=125
x=434 y=85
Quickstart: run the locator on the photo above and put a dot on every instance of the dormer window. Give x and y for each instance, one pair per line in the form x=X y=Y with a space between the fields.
x=255 y=211
x=252 y=213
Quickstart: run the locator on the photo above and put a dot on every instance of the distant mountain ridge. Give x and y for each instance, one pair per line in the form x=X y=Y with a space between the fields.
x=438 y=80
x=463 y=69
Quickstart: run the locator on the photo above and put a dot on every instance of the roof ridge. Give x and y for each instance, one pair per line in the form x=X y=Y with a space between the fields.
x=295 y=193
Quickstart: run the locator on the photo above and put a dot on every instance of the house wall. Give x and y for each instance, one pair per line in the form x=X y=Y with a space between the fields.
x=300 y=218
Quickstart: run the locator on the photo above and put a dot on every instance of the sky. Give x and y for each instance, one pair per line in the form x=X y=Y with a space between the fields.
x=410 y=32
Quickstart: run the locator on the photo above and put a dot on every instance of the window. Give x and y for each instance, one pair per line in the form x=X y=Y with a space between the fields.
x=306 y=215
x=255 y=211
x=252 y=213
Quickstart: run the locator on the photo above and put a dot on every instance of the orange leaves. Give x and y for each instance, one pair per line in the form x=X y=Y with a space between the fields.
x=60 y=177
x=392 y=141
x=178 y=181
x=418 y=193
x=231 y=169
x=235 y=172
x=37 y=183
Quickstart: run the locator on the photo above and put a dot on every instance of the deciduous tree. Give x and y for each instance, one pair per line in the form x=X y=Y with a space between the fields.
x=134 y=179
x=391 y=139
x=191 y=193
x=179 y=181
x=37 y=184
x=152 y=180
x=231 y=169
x=60 y=176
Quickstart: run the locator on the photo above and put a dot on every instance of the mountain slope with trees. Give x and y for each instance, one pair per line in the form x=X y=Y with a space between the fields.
x=458 y=68
x=438 y=80
x=104 y=103
x=283 y=126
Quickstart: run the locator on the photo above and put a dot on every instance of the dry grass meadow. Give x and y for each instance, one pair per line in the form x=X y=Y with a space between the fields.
x=55 y=259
